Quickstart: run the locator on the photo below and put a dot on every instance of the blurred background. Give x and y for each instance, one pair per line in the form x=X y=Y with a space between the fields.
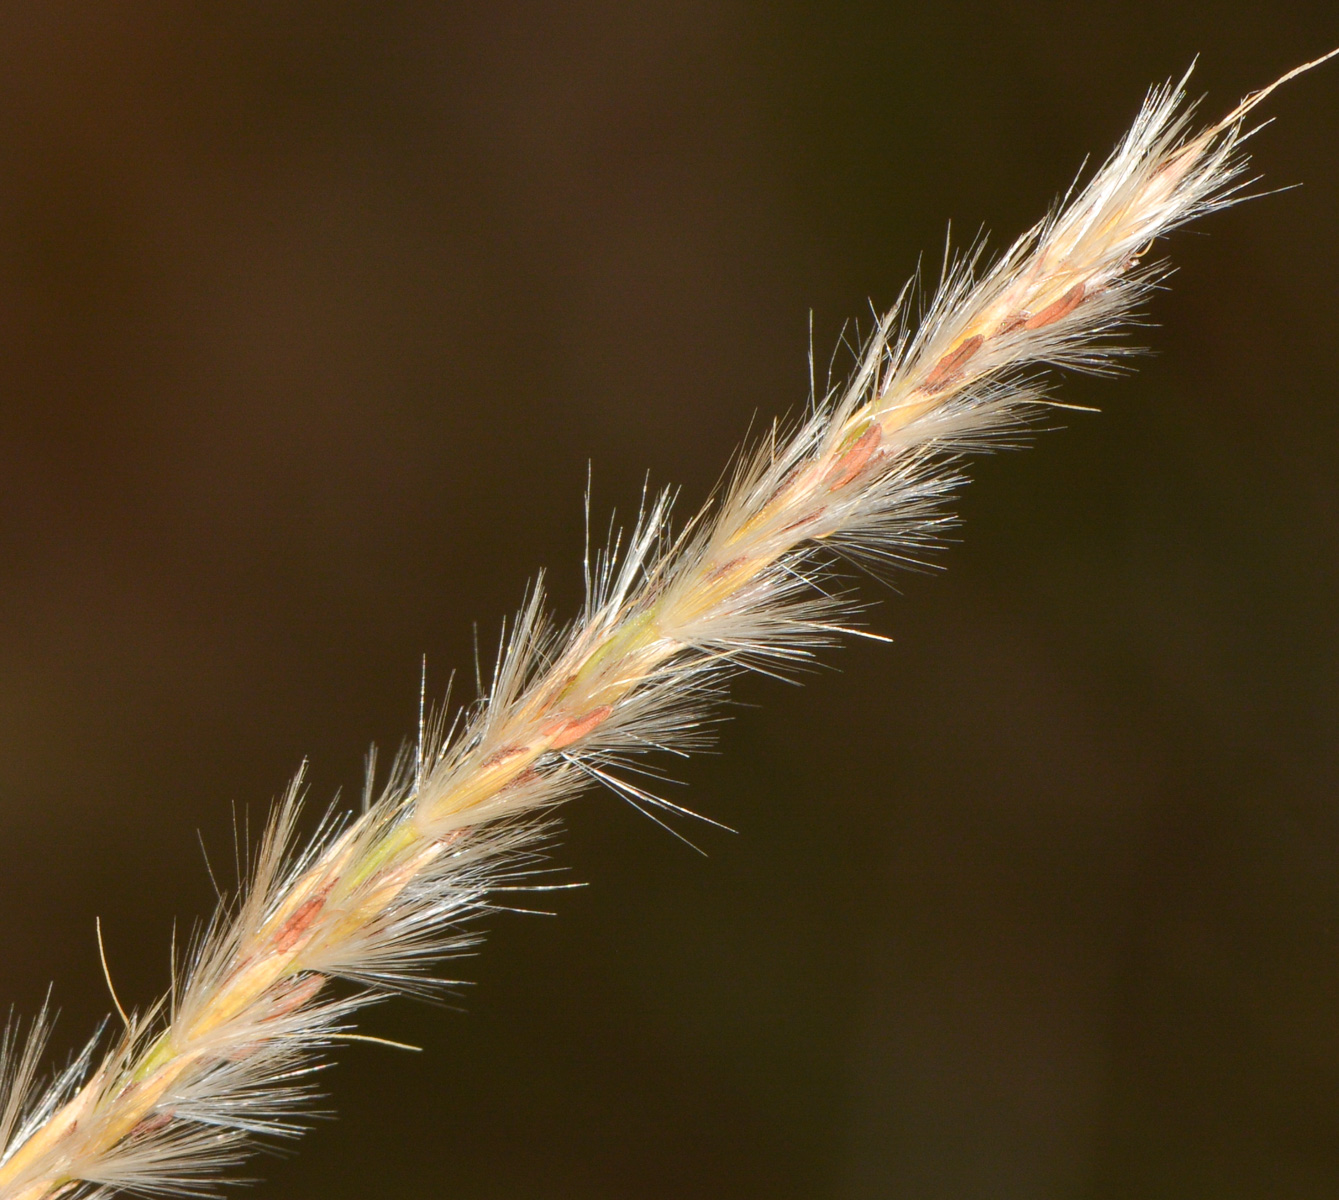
x=311 y=318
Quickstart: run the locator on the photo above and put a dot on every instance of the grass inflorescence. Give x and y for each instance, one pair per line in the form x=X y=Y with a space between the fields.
x=379 y=898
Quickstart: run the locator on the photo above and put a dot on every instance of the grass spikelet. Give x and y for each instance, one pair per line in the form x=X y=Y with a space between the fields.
x=375 y=901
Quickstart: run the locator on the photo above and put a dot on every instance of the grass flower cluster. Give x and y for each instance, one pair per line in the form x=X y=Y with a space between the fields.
x=171 y=1100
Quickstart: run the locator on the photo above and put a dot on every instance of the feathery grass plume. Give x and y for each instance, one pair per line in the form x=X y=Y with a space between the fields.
x=379 y=897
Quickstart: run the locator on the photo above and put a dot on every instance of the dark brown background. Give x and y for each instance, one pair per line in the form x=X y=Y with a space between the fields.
x=311 y=316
